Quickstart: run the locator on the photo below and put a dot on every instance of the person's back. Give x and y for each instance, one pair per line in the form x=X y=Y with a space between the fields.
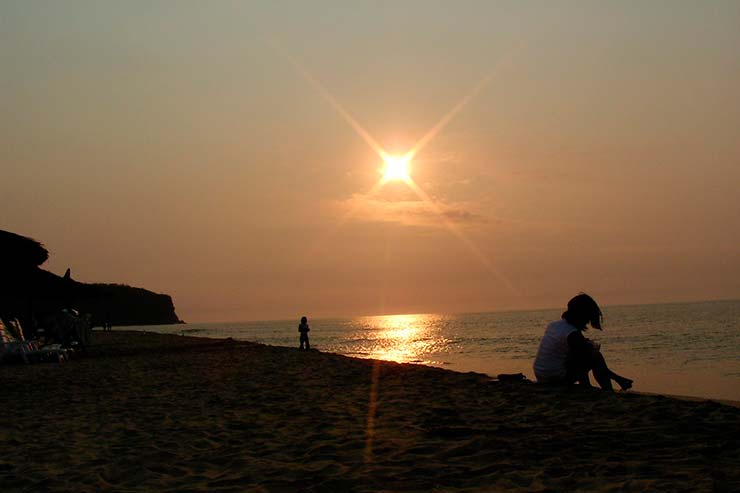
x=550 y=363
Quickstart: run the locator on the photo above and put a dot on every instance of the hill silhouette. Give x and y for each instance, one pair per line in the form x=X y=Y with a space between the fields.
x=29 y=293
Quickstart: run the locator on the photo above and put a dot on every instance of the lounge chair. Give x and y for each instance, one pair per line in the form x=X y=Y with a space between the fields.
x=14 y=348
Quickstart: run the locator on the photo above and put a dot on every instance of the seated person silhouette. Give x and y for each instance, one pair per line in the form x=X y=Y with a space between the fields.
x=303 y=329
x=565 y=356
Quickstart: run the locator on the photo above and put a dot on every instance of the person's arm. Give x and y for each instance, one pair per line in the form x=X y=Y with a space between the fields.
x=579 y=345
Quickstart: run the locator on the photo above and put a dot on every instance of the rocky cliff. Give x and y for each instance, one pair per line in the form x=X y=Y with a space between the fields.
x=30 y=293
x=118 y=304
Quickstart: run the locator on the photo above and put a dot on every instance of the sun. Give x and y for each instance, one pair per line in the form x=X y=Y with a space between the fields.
x=397 y=168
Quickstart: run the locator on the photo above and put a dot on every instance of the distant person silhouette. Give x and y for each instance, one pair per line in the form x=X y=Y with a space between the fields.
x=303 y=328
x=566 y=357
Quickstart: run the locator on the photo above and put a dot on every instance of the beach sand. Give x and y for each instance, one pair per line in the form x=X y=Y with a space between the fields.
x=152 y=412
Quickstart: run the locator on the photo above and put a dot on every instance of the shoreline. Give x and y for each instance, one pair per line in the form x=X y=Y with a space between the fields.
x=691 y=398
x=149 y=411
x=646 y=388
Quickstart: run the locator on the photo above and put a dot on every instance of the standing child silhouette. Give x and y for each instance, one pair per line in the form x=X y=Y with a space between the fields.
x=303 y=329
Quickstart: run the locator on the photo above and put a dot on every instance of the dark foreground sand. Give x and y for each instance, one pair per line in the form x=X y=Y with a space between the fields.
x=149 y=412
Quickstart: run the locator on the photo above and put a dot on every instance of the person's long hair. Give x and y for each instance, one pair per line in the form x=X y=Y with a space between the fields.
x=582 y=307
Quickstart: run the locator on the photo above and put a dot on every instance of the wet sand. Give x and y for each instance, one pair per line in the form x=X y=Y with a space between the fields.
x=153 y=412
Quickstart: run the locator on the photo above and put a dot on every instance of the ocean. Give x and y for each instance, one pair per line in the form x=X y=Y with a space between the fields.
x=689 y=349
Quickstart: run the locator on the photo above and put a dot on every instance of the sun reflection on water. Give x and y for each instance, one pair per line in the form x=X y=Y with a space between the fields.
x=401 y=338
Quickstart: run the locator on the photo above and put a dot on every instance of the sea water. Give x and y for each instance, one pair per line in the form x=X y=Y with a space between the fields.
x=690 y=349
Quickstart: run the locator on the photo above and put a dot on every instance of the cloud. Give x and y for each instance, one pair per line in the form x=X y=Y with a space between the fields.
x=415 y=212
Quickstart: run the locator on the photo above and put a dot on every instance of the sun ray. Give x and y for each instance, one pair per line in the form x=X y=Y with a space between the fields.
x=460 y=105
x=370 y=424
x=398 y=165
x=349 y=214
x=471 y=246
x=450 y=115
x=369 y=140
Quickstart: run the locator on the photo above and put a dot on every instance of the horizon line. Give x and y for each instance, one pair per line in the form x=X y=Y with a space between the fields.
x=502 y=310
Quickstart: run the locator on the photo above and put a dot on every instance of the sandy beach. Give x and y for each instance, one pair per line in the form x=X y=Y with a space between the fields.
x=153 y=412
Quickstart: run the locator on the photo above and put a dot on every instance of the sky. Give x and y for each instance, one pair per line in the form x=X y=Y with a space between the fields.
x=205 y=150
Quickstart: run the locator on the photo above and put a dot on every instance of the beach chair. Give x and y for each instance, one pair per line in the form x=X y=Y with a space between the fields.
x=10 y=347
x=14 y=348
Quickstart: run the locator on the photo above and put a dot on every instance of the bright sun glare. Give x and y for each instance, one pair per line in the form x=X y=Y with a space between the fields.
x=396 y=168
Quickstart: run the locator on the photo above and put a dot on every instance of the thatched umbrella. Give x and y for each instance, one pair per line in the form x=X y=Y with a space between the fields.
x=22 y=282
x=20 y=252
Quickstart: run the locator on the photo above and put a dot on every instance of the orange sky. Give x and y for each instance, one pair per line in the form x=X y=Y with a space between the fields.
x=177 y=146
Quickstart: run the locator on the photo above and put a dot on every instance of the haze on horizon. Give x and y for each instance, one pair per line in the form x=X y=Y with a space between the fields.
x=177 y=146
